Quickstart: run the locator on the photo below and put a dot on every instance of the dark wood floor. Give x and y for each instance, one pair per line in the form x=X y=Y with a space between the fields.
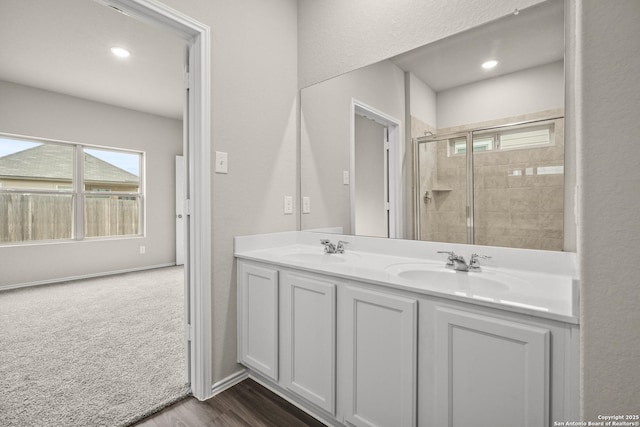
x=246 y=404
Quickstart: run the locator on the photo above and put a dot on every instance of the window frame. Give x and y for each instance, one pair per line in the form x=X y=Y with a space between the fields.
x=497 y=133
x=78 y=192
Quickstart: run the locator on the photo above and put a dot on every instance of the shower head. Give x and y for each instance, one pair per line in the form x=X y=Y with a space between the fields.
x=428 y=136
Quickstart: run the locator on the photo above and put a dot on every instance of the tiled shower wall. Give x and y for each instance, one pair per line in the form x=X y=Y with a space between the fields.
x=518 y=195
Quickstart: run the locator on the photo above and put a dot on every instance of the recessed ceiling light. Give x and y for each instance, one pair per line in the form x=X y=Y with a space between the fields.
x=489 y=64
x=120 y=52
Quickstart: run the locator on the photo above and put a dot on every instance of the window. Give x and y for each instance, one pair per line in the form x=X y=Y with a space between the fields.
x=117 y=174
x=513 y=138
x=458 y=146
x=525 y=138
x=51 y=191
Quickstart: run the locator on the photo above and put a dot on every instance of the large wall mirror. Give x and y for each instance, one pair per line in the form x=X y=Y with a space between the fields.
x=437 y=144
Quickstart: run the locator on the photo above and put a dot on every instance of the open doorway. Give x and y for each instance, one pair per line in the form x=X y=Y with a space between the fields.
x=197 y=228
x=197 y=152
x=375 y=172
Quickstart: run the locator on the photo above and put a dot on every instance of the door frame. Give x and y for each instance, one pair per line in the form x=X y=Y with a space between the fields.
x=180 y=197
x=394 y=162
x=198 y=155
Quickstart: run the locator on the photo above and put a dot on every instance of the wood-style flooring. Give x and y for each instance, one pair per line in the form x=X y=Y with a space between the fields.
x=246 y=404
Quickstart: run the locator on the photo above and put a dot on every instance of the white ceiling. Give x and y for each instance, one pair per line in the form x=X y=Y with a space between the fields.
x=535 y=36
x=64 y=46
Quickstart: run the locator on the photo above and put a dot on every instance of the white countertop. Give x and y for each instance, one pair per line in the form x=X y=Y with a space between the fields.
x=548 y=289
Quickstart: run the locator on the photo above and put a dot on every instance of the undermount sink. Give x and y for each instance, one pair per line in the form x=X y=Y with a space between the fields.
x=437 y=276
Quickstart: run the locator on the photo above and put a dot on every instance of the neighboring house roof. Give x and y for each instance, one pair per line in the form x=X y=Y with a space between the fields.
x=49 y=162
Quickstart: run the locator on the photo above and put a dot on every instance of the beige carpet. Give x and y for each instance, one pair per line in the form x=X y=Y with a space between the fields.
x=97 y=352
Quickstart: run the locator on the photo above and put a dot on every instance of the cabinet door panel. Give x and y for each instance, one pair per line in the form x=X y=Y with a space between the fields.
x=490 y=371
x=309 y=339
x=381 y=359
x=258 y=341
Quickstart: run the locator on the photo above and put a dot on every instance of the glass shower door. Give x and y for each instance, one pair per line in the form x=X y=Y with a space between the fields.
x=442 y=198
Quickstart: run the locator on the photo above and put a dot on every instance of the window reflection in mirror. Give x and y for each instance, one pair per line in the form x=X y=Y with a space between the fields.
x=496 y=137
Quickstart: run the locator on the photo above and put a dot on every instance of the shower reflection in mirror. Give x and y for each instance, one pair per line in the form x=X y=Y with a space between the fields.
x=500 y=186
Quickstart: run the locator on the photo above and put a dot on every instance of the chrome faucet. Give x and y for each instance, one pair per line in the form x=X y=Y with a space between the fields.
x=330 y=248
x=458 y=263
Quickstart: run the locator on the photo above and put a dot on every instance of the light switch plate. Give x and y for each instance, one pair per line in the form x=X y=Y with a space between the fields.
x=222 y=162
x=288 y=205
x=306 y=205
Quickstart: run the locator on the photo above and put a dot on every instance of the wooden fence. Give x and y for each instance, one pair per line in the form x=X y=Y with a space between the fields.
x=30 y=217
x=111 y=216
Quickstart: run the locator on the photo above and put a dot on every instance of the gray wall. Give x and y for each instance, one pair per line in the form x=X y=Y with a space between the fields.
x=34 y=112
x=254 y=119
x=603 y=106
x=515 y=94
x=609 y=182
x=326 y=125
x=422 y=101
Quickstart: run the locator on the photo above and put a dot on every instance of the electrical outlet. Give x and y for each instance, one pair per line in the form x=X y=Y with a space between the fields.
x=143 y=250
x=345 y=177
x=288 y=205
x=306 y=205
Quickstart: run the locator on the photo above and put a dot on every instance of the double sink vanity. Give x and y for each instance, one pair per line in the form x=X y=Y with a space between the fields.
x=387 y=334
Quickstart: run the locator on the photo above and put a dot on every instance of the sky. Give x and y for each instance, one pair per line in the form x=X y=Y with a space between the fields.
x=127 y=161
x=10 y=146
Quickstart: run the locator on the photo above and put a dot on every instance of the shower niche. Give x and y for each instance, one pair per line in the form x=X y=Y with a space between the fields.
x=496 y=186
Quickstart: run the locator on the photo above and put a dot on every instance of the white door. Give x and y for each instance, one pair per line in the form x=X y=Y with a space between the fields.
x=380 y=180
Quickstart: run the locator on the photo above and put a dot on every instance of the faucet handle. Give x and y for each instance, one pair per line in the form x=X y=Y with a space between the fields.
x=340 y=246
x=452 y=256
x=474 y=262
x=324 y=241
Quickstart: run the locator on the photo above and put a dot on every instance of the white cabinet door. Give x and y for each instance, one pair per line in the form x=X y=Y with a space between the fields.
x=490 y=371
x=258 y=318
x=379 y=346
x=309 y=338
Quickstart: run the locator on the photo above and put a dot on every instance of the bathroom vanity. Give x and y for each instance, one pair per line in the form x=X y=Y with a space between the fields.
x=385 y=335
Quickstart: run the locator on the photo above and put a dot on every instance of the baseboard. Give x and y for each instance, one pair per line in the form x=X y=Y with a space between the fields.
x=228 y=382
x=83 y=276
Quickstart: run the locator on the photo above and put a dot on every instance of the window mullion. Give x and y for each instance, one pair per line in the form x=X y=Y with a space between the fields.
x=78 y=189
